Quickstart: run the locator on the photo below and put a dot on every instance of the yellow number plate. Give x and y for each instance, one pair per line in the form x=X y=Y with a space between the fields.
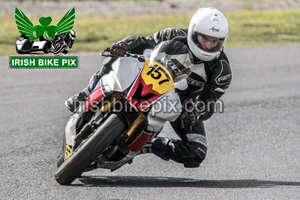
x=157 y=75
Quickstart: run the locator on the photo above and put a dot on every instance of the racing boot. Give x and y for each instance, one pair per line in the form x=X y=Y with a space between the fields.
x=74 y=101
x=169 y=148
x=157 y=146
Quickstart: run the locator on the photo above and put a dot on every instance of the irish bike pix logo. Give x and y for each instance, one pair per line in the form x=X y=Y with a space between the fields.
x=44 y=39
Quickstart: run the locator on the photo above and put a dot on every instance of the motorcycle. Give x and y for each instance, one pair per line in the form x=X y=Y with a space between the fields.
x=128 y=107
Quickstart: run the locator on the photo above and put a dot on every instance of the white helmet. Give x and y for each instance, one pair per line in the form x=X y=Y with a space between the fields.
x=207 y=22
x=72 y=34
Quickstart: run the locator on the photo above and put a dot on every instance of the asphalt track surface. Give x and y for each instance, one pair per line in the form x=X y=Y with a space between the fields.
x=254 y=146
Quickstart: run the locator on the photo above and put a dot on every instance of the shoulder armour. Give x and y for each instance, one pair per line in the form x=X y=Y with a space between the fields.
x=170 y=34
x=223 y=76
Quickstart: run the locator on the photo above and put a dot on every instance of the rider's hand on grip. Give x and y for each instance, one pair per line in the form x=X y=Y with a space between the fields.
x=188 y=119
x=119 y=48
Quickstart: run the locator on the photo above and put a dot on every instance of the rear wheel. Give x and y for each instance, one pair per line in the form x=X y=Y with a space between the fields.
x=82 y=157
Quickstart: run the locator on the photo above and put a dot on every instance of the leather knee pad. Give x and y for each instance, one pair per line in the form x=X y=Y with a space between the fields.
x=191 y=154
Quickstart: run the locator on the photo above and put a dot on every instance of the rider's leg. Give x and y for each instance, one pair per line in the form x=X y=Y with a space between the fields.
x=74 y=101
x=190 y=150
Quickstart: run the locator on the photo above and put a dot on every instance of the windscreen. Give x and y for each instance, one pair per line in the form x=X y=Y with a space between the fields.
x=175 y=56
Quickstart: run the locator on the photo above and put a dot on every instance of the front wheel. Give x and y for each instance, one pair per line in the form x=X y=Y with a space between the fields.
x=82 y=157
x=60 y=160
x=58 y=47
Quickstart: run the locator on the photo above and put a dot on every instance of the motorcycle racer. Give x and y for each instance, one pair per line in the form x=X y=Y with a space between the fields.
x=210 y=77
x=61 y=42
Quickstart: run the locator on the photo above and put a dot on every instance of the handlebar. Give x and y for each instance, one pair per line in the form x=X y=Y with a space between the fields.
x=107 y=53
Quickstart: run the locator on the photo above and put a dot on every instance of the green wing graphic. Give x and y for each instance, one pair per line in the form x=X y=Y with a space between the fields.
x=24 y=25
x=67 y=22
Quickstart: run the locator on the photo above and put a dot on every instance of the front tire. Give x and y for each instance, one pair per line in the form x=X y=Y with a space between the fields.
x=60 y=160
x=61 y=157
x=82 y=157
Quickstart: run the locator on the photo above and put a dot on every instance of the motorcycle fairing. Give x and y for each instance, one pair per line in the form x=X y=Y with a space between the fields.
x=94 y=97
x=141 y=95
x=141 y=140
x=152 y=83
x=156 y=74
x=124 y=72
x=169 y=110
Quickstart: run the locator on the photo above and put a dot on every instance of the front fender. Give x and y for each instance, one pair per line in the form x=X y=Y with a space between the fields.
x=70 y=129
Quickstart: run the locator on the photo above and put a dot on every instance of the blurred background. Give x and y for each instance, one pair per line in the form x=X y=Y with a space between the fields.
x=100 y=23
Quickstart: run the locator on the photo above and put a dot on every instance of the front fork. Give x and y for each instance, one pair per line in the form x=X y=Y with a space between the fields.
x=128 y=144
x=74 y=139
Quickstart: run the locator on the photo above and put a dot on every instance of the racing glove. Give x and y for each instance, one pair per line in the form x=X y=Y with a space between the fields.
x=192 y=115
x=133 y=44
x=119 y=48
x=189 y=118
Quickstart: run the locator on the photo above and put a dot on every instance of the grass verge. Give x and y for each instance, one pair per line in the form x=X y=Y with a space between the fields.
x=96 y=32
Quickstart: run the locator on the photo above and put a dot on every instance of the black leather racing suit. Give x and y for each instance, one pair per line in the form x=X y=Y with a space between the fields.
x=206 y=84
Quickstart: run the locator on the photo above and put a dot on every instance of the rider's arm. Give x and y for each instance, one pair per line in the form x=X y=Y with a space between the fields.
x=137 y=44
x=169 y=34
x=216 y=86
